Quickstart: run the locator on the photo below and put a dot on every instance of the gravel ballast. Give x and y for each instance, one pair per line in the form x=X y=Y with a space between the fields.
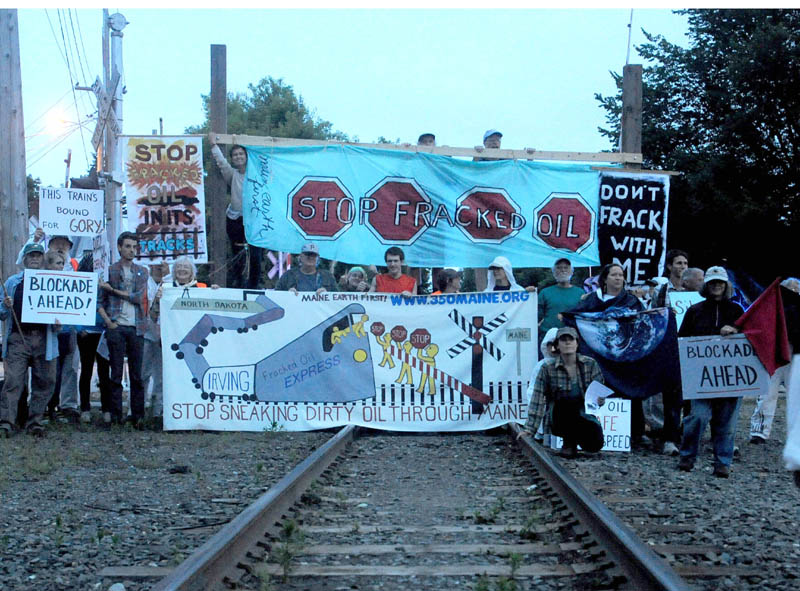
x=79 y=501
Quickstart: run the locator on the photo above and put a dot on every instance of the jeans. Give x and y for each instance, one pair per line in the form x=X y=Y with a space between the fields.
x=87 y=345
x=152 y=367
x=65 y=392
x=122 y=341
x=673 y=402
x=723 y=414
x=20 y=356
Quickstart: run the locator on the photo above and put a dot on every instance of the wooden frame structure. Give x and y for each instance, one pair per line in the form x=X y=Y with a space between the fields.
x=491 y=154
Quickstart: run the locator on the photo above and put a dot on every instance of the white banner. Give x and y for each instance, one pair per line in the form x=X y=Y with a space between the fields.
x=166 y=197
x=67 y=296
x=249 y=361
x=680 y=301
x=71 y=212
x=615 y=418
x=101 y=256
x=716 y=367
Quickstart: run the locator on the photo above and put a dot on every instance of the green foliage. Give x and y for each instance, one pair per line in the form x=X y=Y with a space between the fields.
x=491 y=514
x=271 y=108
x=291 y=542
x=725 y=113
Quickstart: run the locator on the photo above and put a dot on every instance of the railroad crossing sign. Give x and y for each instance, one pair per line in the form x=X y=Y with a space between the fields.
x=476 y=335
x=477 y=341
x=105 y=111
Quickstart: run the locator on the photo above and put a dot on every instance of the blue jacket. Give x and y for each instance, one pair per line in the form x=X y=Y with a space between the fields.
x=51 y=342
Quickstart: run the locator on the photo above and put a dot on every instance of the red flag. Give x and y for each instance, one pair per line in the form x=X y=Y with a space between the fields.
x=764 y=324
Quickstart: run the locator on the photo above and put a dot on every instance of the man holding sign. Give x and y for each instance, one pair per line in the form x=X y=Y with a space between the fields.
x=716 y=315
x=26 y=345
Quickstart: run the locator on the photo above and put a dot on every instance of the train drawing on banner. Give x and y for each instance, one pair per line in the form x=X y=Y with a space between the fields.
x=356 y=354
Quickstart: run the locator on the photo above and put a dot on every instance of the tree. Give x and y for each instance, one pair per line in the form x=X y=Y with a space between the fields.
x=725 y=112
x=32 y=186
x=271 y=108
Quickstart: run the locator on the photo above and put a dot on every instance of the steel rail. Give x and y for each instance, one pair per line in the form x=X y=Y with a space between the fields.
x=646 y=571
x=207 y=566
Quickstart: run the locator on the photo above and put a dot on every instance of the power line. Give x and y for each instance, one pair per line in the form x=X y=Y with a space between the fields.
x=47 y=110
x=59 y=140
x=81 y=58
x=77 y=48
x=72 y=84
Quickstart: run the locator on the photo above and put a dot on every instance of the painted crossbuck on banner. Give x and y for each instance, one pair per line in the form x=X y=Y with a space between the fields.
x=476 y=335
x=478 y=343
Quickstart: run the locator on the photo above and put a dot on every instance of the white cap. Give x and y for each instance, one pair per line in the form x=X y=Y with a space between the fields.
x=716 y=274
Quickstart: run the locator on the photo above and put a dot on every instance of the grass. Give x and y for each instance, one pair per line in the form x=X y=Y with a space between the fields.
x=291 y=541
x=492 y=513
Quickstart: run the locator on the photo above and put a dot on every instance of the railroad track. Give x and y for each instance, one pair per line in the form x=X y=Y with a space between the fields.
x=433 y=511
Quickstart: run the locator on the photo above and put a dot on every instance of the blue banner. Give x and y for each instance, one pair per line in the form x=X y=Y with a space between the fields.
x=355 y=202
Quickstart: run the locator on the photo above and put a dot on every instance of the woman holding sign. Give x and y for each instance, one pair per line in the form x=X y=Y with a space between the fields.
x=714 y=316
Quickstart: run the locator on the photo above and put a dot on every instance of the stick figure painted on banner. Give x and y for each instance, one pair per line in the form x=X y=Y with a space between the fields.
x=385 y=341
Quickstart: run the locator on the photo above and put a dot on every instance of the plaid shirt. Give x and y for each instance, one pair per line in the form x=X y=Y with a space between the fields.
x=553 y=383
x=112 y=304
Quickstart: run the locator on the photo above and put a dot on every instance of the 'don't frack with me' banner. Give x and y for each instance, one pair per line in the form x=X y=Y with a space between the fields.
x=166 y=196
x=249 y=361
x=632 y=225
x=356 y=201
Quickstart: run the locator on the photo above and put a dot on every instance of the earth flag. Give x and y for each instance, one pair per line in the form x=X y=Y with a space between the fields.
x=637 y=351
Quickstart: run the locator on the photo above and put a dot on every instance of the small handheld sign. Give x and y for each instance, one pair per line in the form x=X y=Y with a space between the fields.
x=67 y=296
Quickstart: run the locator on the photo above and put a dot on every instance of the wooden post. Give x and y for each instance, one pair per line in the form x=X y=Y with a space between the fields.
x=631 y=131
x=13 y=185
x=216 y=187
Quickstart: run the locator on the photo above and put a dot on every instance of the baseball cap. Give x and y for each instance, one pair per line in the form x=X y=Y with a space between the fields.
x=34 y=247
x=716 y=274
x=426 y=134
x=562 y=260
x=310 y=248
x=490 y=132
x=67 y=238
x=567 y=330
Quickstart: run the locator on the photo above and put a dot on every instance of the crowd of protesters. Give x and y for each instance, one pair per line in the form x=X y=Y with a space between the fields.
x=128 y=315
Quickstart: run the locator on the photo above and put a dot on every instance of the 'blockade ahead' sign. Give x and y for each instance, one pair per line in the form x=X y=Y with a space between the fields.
x=67 y=296
x=715 y=367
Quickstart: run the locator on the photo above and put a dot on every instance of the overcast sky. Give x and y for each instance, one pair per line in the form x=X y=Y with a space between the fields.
x=532 y=74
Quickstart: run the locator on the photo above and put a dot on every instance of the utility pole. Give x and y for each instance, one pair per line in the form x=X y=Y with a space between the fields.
x=68 y=162
x=13 y=184
x=631 y=128
x=113 y=75
x=216 y=187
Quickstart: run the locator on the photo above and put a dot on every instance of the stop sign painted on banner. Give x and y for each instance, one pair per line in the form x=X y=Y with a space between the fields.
x=399 y=333
x=395 y=210
x=321 y=207
x=564 y=220
x=488 y=215
x=420 y=338
x=377 y=328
